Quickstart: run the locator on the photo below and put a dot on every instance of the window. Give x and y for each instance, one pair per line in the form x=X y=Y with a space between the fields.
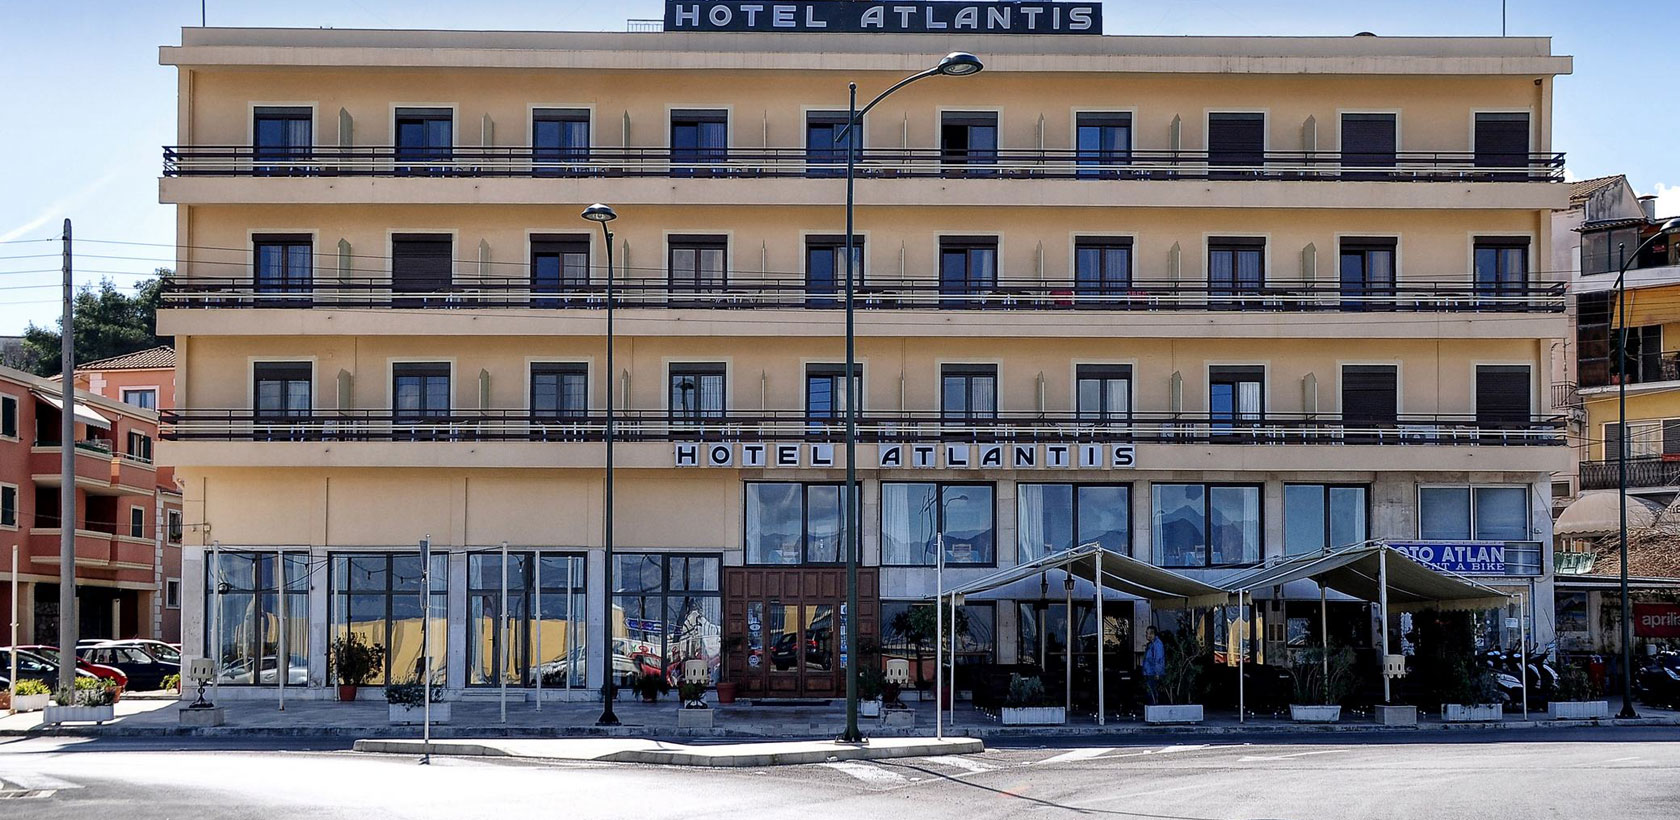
x=967 y=267
x=8 y=505
x=1642 y=357
x=915 y=516
x=1643 y=439
x=172 y=519
x=969 y=138
x=8 y=416
x=136 y=522
x=1206 y=525
x=421 y=263
x=1050 y=518
x=1502 y=142
x=139 y=446
x=1104 y=392
x=968 y=392
x=698 y=264
x=559 y=390
x=1324 y=516
x=380 y=597
x=825 y=148
x=280 y=134
x=559 y=264
x=670 y=605
x=146 y=398
x=281 y=390
x=1104 y=140
x=792 y=523
x=424 y=135
x=1236 y=265
x=1367 y=269
x=1236 y=140
x=1593 y=337
x=1501 y=265
x=1236 y=396
x=1368 y=141
x=825 y=268
x=1102 y=265
x=1370 y=396
x=1473 y=513
x=544 y=591
x=1607 y=250
x=284 y=264
x=559 y=136
x=698 y=138
x=1502 y=395
x=697 y=392
x=420 y=392
x=905 y=626
x=825 y=391
x=171 y=593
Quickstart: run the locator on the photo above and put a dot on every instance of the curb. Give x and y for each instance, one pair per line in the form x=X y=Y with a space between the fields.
x=747 y=757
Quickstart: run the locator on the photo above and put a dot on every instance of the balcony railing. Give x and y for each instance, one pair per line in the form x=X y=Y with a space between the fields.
x=761 y=163
x=1643 y=471
x=630 y=426
x=1458 y=296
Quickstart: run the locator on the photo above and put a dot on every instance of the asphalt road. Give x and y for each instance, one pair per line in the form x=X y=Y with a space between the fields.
x=1579 y=774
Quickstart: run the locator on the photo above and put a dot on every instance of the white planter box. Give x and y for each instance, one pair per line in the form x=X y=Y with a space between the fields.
x=1034 y=715
x=1314 y=713
x=898 y=717
x=1578 y=709
x=31 y=703
x=1188 y=713
x=694 y=718
x=869 y=708
x=1460 y=713
x=88 y=714
x=1397 y=715
x=404 y=715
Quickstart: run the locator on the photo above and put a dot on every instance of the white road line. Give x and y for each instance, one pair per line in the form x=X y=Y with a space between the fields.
x=1078 y=754
x=1622 y=760
x=957 y=762
x=1191 y=747
x=30 y=781
x=867 y=773
x=1257 y=758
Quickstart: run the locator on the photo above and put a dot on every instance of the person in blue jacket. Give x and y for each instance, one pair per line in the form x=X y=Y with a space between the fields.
x=1154 y=664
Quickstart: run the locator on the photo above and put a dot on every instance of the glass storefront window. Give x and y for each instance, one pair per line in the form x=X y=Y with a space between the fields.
x=792 y=523
x=915 y=515
x=1316 y=516
x=1054 y=517
x=667 y=609
x=1206 y=525
x=542 y=640
x=1444 y=513
x=377 y=597
x=1501 y=513
x=908 y=632
x=1478 y=513
x=246 y=641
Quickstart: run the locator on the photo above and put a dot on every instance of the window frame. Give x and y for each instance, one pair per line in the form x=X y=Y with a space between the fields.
x=11 y=415
x=1470 y=489
x=338 y=596
x=1326 y=489
x=693 y=279
x=419 y=285
x=1236 y=374
x=804 y=559
x=288 y=152
x=126 y=392
x=541 y=246
x=288 y=245
x=258 y=378
x=1104 y=373
x=1021 y=552
x=836 y=376
x=136 y=521
x=564 y=369
x=424 y=369
x=138 y=446
x=699 y=415
x=1502 y=280
x=1237 y=246
x=171 y=593
x=1207 y=545
x=1225 y=157
x=968 y=372
x=560 y=154
x=833 y=245
x=10 y=513
x=1362 y=248
x=1107 y=282
x=1085 y=158
x=174 y=523
x=939 y=523
x=955 y=293
x=835 y=151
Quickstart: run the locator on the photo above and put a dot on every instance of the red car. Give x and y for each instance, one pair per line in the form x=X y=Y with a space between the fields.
x=99 y=670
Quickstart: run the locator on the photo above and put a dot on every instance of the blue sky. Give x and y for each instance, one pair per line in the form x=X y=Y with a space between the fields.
x=90 y=107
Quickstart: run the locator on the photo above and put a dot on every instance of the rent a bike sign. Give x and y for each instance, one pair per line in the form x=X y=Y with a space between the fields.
x=1475 y=557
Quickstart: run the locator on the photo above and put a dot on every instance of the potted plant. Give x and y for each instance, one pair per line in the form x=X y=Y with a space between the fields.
x=695 y=713
x=726 y=688
x=650 y=687
x=1319 y=699
x=1473 y=697
x=172 y=682
x=1577 y=698
x=1027 y=704
x=1180 y=685
x=91 y=699
x=872 y=685
x=30 y=695
x=918 y=627
x=407 y=702
x=355 y=663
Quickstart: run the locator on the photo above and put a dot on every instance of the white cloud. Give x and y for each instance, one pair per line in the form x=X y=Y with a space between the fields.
x=58 y=210
x=1668 y=200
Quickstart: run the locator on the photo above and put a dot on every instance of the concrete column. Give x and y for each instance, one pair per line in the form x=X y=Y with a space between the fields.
x=595 y=591
x=1271 y=515
x=320 y=616
x=193 y=621
x=456 y=668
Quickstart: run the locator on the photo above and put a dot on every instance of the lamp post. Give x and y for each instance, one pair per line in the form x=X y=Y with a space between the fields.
x=939 y=617
x=604 y=214
x=955 y=64
x=1669 y=228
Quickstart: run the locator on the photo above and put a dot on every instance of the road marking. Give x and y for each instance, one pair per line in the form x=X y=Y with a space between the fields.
x=1078 y=754
x=38 y=782
x=1623 y=759
x=1190 y=747
x=867 y=773
x=956 y=762
x=1257 y=758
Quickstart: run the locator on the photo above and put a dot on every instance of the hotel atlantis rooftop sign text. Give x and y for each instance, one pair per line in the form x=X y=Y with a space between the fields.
x=859 y=16
x=912 y=456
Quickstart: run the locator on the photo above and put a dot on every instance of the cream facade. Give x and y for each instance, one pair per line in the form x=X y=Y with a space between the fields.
x=1300 y=281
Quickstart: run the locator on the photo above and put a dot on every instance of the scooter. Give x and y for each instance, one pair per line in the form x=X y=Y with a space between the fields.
x=1658 y=683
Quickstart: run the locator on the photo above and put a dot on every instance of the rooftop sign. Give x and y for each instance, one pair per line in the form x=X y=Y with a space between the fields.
x=859 y=16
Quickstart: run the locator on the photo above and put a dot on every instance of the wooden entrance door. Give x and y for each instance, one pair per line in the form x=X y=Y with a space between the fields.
x=783 y=629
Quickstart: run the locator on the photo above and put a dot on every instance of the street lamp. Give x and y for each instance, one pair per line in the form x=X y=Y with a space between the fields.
x=939 y=614
x=955 y=64
x=1669 y=228
x=604 y=214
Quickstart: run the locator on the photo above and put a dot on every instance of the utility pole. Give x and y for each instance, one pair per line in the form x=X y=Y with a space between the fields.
x=67 y=484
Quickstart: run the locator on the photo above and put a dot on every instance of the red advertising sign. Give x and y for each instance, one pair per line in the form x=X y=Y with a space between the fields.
x=1656 y=620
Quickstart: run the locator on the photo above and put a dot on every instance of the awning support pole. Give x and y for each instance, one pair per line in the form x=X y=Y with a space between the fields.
x=953 y=659
x=1102 y=636
x=283 y=653
x=1067 y=643
x=503 y=656
x=1324 y=637
x=1242 y=660
x=938 y=637
x=1522 y=651
x=1382 y=607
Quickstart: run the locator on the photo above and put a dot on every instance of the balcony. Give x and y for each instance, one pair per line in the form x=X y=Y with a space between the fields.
x=1649 y=472
x=873 y=428
x=94 y=470
x=883 y=163
x=133 y=472
x=97 y=549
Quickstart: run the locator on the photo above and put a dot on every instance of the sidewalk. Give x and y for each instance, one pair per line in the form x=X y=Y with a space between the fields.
x=639 y=750
x=479 y=718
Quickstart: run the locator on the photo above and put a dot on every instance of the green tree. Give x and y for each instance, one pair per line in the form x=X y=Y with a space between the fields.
x=108 y=321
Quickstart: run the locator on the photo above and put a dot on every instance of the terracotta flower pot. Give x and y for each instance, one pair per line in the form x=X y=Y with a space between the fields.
x=347 y=692
x=726 y=692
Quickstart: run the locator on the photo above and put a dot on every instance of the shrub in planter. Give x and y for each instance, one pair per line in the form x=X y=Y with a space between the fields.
x=1577 y=698
x=1473 y=696
x=1181 y=685
x=88 y=692
x=693 y=695
x=354 y=664
x=172 y=682
x=650 y=687
x=407 y=703
x=1317 y=698
x=30 y=696
x=1029 y=704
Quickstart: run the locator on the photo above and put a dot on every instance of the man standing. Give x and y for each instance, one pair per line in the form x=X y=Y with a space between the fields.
x=1154 y=664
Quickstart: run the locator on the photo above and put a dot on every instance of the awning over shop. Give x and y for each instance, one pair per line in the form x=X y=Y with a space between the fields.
x=83 y=413
x=1162 y=588
x=1356 y=571
x=1598 y=513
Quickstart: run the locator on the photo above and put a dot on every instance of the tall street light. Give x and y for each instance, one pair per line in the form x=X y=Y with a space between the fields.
x=955 y=64
x=1669 y=228
x=604 y=214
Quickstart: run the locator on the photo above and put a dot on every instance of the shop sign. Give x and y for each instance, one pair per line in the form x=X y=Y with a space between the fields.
x=1660 y=620
x=911 y=456
x=1466 y=557
x=859 y=17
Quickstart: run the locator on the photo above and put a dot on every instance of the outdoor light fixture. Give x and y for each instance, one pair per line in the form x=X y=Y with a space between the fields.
x=960 y=64
x=599 y=213
x=604 y=214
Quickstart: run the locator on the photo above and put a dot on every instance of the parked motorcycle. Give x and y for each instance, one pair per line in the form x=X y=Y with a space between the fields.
x=1658 y=682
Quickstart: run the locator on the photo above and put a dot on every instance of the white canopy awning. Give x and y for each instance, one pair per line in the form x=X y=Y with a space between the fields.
x=1354 y=571
x=1599 y=513
x=83 y=413
x=1162 y=588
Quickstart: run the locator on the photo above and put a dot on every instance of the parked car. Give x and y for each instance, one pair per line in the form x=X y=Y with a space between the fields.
x=34 y=667
x=145 y=673
x=110 y=673
x=166 y=652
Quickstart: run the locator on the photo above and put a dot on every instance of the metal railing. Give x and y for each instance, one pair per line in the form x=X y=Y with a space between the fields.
x=1456 y=296
x=925 y=427
x=759 y=163
x=1643 y=471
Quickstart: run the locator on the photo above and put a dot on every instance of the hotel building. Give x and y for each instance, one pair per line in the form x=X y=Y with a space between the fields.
x=1203 y=301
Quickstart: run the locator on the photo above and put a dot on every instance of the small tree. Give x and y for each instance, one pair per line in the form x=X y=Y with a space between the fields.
x=355 y=662
x=919 y=626
x=1186 y=659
